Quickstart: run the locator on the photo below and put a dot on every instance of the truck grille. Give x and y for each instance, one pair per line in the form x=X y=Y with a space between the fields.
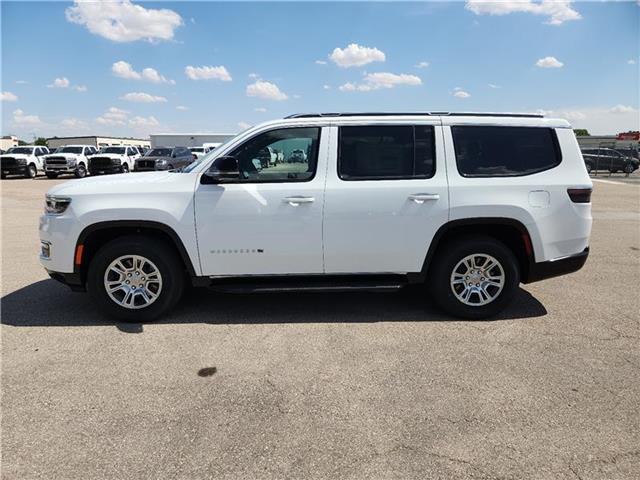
x=55 y=161
x=146 y=164
x=103 y=162
x=10 y=162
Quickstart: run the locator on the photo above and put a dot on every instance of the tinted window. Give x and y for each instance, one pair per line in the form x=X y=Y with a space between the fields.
x=71 y=150
x=386 y=152
x=283 y=155
x=504 y=151
x=118 y=150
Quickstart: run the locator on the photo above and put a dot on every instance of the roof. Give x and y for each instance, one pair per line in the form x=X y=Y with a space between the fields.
x=415 y=114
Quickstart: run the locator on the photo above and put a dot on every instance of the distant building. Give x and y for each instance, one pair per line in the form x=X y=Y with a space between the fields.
x=188 y=139
x=621 y=142
x=97 y=141
x=8 y=141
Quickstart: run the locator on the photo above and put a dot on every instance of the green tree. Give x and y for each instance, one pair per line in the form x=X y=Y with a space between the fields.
x=40 y=141
x=581 y=132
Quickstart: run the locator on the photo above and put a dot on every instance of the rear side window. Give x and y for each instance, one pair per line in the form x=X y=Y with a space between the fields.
x=504 y=151
x=386 y=152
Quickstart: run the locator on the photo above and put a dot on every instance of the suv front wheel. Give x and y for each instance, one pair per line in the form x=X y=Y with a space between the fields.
x=474 y=278
x=135 y=278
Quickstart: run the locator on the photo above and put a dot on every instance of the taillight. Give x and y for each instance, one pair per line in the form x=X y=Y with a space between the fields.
x=579 y=195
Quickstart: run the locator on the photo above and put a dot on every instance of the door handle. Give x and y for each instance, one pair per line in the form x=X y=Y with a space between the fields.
x=423 y=197
x=295 y=201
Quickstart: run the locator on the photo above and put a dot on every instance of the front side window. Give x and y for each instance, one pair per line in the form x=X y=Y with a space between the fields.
x=282 y=155
x=483 y=151
x=386 y=152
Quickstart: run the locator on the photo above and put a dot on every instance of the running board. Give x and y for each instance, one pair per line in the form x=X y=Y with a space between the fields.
x=319 y=283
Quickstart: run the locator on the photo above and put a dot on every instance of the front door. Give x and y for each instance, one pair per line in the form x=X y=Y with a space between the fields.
x=386 y=197
x=269 y=220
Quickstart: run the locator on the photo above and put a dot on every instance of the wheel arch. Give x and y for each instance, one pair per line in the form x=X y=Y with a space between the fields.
x=94 y=236
x=513 y=233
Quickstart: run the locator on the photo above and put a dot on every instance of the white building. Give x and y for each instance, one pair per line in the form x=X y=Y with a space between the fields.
x=8 y=141
x=97 y=141
x=188 y=139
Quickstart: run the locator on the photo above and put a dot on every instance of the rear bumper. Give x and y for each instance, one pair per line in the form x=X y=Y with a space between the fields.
x=555 y=268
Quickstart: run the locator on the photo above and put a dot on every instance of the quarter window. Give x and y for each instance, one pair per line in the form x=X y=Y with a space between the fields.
x=386 y=152
x=282 y=155
x=504 y=151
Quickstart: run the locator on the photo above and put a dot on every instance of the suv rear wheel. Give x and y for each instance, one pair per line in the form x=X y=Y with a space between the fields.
x=136 y=278
x=474 y=278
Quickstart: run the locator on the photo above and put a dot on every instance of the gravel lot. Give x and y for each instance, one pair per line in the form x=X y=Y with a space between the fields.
x=325 y=385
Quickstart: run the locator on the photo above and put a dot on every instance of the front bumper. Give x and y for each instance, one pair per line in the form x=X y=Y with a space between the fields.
x=555 y=268
x=59 y=169
x=19 y=170
x=71 y=280
x=103 y=170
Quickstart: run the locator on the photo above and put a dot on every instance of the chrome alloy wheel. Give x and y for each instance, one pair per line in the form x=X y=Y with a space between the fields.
x=133 y=281
x=477 y=279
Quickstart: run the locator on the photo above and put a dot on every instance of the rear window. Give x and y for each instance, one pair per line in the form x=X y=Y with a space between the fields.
x=386 y=152
x=504 y=151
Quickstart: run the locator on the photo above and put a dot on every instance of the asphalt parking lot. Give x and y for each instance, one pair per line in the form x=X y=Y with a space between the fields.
x=325 y=385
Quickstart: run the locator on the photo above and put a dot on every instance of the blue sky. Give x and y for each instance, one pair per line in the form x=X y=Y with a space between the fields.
x=79 y=68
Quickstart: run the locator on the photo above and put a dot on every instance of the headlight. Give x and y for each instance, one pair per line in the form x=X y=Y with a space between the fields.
x=55 y=205
x=161 y=162
x=72 y=162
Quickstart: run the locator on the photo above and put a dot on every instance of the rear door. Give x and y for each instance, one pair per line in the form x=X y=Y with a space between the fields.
x=386 y=197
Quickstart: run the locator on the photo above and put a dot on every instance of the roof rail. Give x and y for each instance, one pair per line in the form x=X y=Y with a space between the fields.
x=415 y=114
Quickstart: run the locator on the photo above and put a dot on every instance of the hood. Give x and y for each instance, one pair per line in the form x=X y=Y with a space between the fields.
x=63 y=155
x=153 y=158
x=15 y=155
x=125 y=183
x=112 y=156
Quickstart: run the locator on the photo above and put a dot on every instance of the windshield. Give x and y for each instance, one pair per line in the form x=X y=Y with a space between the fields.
x=197 y=149
x=70 y=150
x=118 y=150
x=24 y=150
x=159 y=152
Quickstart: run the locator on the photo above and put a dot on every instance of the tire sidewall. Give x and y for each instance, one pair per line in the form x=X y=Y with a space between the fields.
x=81 y=171
x=32 y=171
x=158 y=253
x=441 y=274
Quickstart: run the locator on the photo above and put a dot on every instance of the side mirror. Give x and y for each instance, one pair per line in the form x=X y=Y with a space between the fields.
x=223 y=168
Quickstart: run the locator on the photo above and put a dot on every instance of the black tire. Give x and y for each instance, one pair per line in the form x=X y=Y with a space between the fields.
x=628 y=169
x=447 y=259
x=31 y=171
x=51 y=175
x=124 y=168
x=157 y=251
x=170 y=167
x=589 y=167
x=81 y=171
x=3 y=176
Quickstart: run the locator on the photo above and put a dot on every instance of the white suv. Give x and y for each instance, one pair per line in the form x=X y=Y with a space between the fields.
x=469 y=205
x=72 y=159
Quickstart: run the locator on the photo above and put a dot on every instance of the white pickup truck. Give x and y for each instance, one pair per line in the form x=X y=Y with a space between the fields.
x=25 y=161
x=113 y=160
x=73 y=159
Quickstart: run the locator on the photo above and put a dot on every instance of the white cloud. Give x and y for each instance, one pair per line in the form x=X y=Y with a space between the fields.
x=493 y=85
x=113 y=116
x=23 y=120
x=80 y=88
x=422 y=64
x=356 y=56
x=326 y=87
x=143 y=122
x=631 y=61
x=243 y=125
x=460 y=93
x=60 y=83
x=122 y=21
x=74 y=124
x=207 y=73
x=266 y=90
x=182 y=108
x=321 y=62
x=21 y=82
x=124 y=69
x=549 y=62
x=142 y=97
x=8 y=97
x=376 y=81
x=260 y=109
x=254 y=75
x=557 y=11
x=622 y=109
